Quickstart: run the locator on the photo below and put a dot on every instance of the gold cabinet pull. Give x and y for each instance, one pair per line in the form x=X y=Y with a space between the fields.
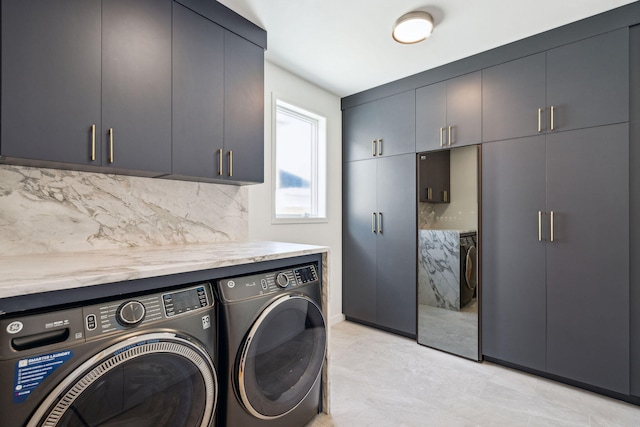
x=441 y=141
x=539 y=226
x=373 y=147
x=220 y=162
x=539 y=120
x=429 y=193
x=379 y=222
x=110 y=145
x=230 y=163
x=379 y=147
x=552 y=118
x=445 y=196
x=552 y=234
x=93 y=142
x=373 y=222
x=449 y=136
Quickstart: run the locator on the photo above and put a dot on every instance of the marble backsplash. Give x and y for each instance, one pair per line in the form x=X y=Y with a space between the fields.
x=48 y=210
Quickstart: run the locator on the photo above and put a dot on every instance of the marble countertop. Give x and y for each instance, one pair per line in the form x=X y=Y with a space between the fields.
x=30 y=274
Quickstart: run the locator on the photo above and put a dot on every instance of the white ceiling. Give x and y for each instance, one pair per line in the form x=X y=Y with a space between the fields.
x=345 y=46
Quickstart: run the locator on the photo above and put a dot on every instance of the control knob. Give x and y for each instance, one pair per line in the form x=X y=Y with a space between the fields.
x=282 y=280
x=131 y=313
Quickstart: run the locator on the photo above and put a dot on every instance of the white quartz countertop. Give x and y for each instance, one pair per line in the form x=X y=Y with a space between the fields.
x=30 y=274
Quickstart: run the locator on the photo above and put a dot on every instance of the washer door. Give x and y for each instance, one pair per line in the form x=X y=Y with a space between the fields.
x=155 y=379
x=282 y=357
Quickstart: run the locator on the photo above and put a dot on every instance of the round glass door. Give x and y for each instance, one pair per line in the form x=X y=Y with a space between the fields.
x=282 y=357
x=152 y=380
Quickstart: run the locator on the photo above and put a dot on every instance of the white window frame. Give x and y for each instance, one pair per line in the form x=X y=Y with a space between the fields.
x=319 y=162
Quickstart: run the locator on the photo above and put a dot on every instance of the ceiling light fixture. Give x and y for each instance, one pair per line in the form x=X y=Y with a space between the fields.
x=413 y=27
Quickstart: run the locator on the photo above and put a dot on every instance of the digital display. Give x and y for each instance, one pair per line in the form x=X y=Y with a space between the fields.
x=184 y=301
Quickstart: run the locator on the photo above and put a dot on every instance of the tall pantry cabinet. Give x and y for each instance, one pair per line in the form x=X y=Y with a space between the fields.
x=379 y=215
x=556 y=212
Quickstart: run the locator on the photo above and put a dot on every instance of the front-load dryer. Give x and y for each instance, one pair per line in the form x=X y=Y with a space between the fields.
x=145 y=361
x=273 y=343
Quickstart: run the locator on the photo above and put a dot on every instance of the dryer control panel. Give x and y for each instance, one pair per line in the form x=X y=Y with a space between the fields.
x=260 y=284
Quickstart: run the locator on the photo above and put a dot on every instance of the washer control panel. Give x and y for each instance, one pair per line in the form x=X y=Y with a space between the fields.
x=244 y=287
x=124 y=314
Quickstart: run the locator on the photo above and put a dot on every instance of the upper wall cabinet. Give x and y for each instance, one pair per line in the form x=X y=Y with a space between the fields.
x=448 y=114
x=144 y=87
x=136 y=85
x=380 y=128
x=574 y=86
x=51 y=76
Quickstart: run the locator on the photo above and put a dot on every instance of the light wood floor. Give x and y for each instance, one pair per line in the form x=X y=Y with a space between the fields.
x=380 y=379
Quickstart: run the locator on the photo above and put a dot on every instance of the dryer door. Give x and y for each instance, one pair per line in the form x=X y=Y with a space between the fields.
x=282 y=357
x=154 y=379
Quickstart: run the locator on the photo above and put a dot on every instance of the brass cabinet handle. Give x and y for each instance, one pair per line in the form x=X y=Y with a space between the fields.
x=539 y=226
x=220 y=162
x=110 y=145
x=441 y=142
x=445 y=196
x=379 y=222
x=373 y=222
x=93 y=142
x=539 y=120
x=373 y=147
x=449 y=136
x=552 y=118
x=230 y=163
x=429 y=193
x=379 y=147
x=552 y=234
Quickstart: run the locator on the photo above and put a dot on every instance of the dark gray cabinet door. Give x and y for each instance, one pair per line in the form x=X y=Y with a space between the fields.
x=431 y=117
x=588 y=81
x=588 y=261
x=243 y=110
x=396 y=259
x=51 y=79
x=513 y=259
x=360 y=130
x=198 y=94
x=136 y=84
x=381 y=128
x=360 y=240
x=512 y=93
x=464 y=110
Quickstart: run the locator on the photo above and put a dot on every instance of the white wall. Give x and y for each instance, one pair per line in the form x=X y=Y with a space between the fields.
x=301 y=93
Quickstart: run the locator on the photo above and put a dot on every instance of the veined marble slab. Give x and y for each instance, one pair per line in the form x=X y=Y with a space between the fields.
x=49 y=210
x=30 y=274
x=439 y=268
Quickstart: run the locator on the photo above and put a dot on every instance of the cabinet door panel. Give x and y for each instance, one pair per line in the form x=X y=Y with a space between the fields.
x=464 y=105
x=397 y=251
x=511 y=95
x=513 y=260
x=431 y=116
x=198 y=94
x=244 y=109
x=51 y=79
x=588 y=81
x=136 y=84
x=359 y=242
x=360 y=128
x=397 y=117
x=588 y=262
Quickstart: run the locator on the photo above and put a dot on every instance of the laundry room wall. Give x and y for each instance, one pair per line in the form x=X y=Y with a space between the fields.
x=281 y=83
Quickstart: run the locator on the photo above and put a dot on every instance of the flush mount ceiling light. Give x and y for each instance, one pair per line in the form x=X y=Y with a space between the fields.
x=413 y=27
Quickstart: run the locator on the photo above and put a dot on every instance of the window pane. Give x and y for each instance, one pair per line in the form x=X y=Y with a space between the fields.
x=299 y=137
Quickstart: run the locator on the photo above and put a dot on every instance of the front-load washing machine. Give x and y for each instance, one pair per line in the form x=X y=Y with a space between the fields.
x=147 y=360
x=273 y=342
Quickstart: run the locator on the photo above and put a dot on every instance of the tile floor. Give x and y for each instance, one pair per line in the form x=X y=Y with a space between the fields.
x=380 y=379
